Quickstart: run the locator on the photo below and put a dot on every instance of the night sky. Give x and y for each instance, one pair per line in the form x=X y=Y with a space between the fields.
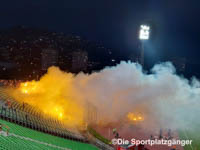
x=115 y=23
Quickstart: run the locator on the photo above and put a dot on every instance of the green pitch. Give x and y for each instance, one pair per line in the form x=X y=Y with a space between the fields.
x=191 y=134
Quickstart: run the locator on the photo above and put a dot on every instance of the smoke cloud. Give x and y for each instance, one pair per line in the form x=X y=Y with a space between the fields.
x=163 y=98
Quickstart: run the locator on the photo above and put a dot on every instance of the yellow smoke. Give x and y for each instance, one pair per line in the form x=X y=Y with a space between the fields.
x=116 y=91
x=54 y=95
x=57 y=95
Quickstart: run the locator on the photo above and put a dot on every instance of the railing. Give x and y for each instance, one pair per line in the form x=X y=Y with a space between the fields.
x=99 y=140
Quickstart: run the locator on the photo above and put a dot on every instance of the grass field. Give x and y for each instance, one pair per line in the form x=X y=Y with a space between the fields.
x=191 y=134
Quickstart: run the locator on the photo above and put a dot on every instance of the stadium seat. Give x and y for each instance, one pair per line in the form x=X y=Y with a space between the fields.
x=21 y=138
x=32 y=118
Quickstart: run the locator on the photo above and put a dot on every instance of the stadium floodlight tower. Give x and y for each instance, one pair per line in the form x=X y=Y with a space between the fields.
x=144 y=35
x=144 y=32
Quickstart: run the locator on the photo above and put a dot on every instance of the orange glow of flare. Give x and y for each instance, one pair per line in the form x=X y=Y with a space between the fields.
x=54 y=101
x=134 y=117
x=60 y=114
x=57 y=112
x=28 y=87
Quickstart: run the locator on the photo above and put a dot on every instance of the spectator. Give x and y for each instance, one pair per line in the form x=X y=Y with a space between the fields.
x=174 y=148
x=23 y=106
x=141 y=147
x=3 y=132
x=8 y=103
x=114 y=131
x=117 y=135
x=169 y=134
x=3 y=108
x=151 y=137
x=26 y=116
x=160 y=134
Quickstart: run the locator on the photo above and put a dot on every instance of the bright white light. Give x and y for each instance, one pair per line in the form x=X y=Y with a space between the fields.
x=144 y=32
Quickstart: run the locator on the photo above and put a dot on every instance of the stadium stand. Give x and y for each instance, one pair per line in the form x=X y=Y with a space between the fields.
x=28 y=116
x=21 y=138
x=29 y=129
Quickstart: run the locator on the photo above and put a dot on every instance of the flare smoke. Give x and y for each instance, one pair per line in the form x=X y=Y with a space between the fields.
x=163 y=98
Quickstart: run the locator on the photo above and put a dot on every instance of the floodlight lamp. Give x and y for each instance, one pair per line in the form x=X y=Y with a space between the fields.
x=144 y=32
